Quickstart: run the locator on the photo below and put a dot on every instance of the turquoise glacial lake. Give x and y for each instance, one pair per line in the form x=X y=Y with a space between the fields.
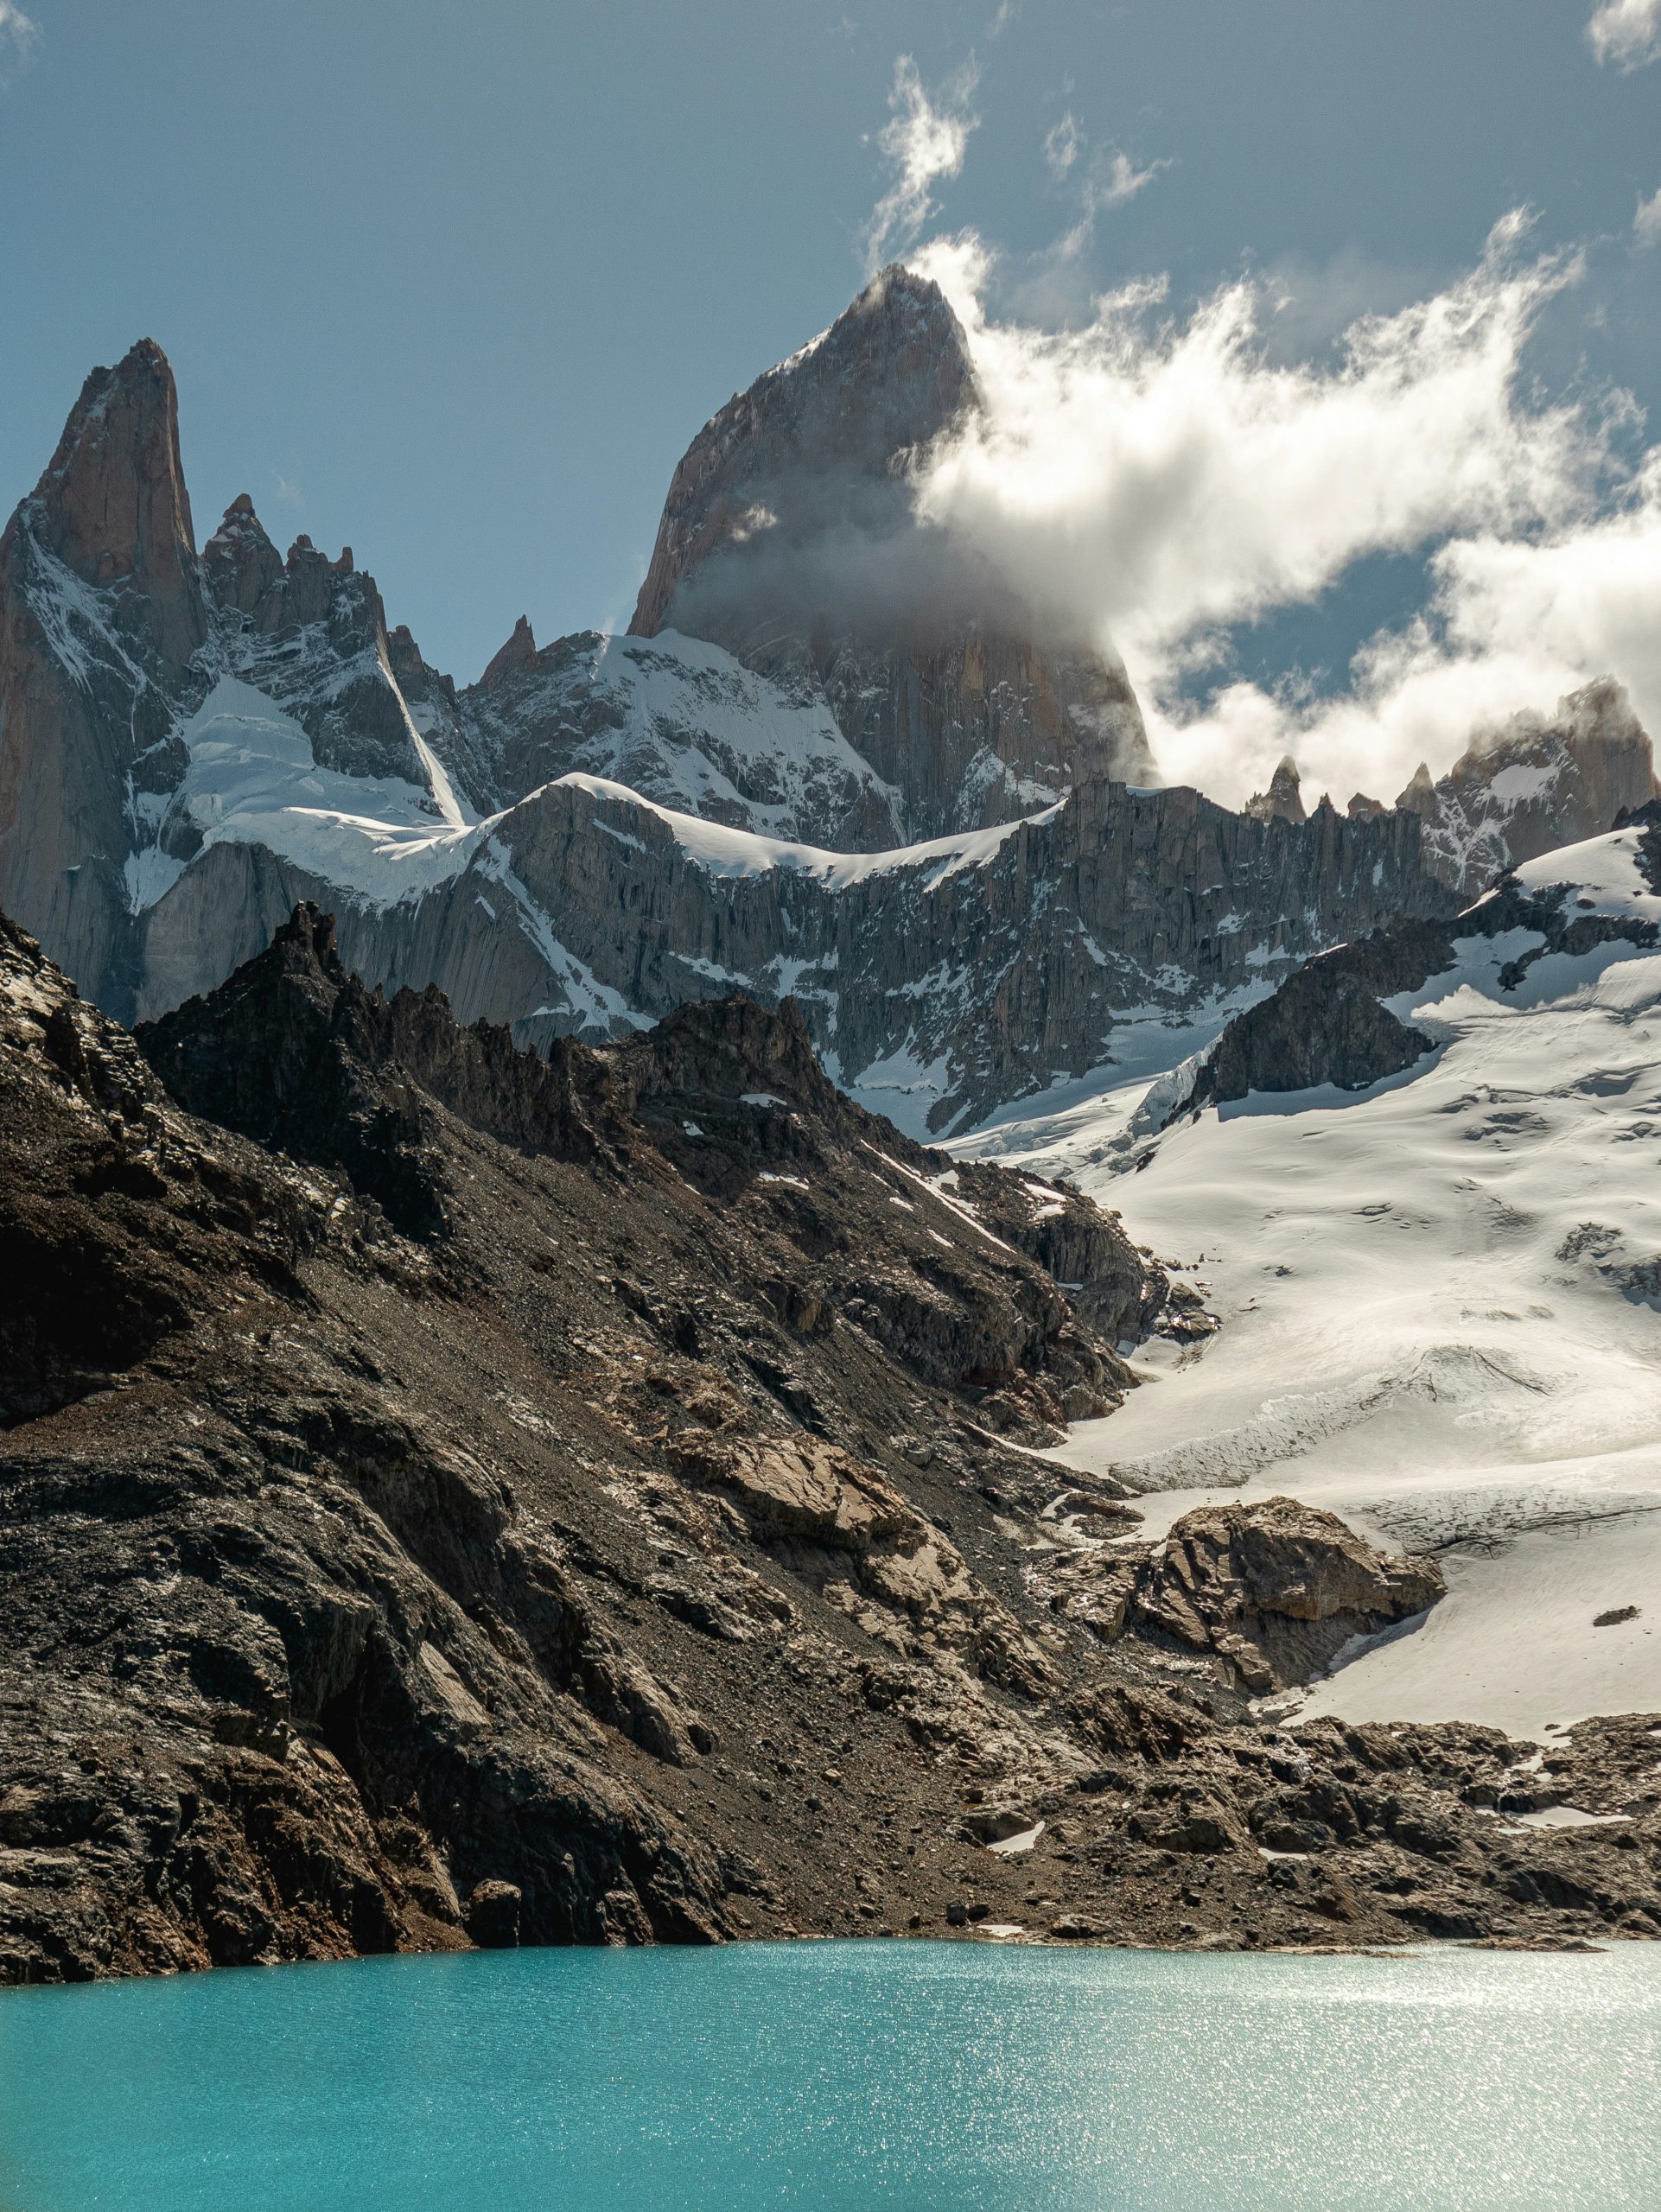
x=852 y=2075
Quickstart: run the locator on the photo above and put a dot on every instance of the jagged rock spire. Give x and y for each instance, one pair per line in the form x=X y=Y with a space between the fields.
x=1283 y=800
x=890 y=374
x=519 y=652
x=113 y=505
x=244 y=569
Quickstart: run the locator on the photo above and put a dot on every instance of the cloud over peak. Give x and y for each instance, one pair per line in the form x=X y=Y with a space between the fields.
x=1154 y=482
x=923 y=141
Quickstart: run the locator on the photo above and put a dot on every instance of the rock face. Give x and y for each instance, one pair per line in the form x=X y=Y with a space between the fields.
x=1273 y=1591
x=1534 y=785
x=590 y=1563
x=1278 y=1589
x=101 y=612
x=1324 y=1025
x=790 y=536
x=1283 y=800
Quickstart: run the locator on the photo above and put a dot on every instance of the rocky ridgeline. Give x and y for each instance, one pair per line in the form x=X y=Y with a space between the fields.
x=452 y=1496
x=1516 y=792
x=154 y=842
x=1328 y=1024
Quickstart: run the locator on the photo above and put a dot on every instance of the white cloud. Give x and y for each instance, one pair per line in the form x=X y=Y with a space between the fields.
x=1626 y=32
x=1152 y=479
x=923 y=141
x=1108 y=179
x=1124 y=180
x=19 y=36
x=1646 y=223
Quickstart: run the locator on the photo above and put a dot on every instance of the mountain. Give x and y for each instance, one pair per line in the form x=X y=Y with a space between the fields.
x=457 y=1496
x=791 y=536
x=1539 y=783
x=601 y=829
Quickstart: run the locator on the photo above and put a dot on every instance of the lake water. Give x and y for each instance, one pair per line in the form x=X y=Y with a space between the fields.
x=845 y=2076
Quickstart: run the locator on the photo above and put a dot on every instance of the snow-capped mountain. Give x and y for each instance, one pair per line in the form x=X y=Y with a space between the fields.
x=934 y=833
x=1534 y=785
x=1438 y=1289
x=790 y=535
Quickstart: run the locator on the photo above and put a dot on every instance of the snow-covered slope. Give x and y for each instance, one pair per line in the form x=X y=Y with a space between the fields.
x=1441 y=1301
x=680 y=721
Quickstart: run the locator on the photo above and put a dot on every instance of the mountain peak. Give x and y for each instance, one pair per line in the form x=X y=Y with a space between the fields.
x=1283 y=800
x=519 y=652
x=818 y=441
x=113 y=503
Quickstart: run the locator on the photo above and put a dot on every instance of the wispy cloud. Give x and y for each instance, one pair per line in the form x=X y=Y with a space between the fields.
x=1646 y=223
x=1625 y=32
x=1103 y=178
x=1009 y=12
x=1153 y=480
x=1063 y=143
x=19 y=36
x=1109 y=181
x=923 y=141
x=1124 y=180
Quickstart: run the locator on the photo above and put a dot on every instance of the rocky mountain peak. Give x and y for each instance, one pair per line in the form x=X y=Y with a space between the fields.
x=1419 y=795
x=1283 y=800
x=243 y=568
x=732 y=1048
x=791 y=538
x=820 y=441
x=519 y=652
x=1533 y=783
x=112 y=506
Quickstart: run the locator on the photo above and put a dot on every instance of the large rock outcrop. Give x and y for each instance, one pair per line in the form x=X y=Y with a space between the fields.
x=1328 y=1023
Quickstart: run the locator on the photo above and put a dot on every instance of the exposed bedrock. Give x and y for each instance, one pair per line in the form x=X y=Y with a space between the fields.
x=602 y=1562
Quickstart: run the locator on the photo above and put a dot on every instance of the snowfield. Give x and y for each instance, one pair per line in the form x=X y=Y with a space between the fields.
x=1441 y=1317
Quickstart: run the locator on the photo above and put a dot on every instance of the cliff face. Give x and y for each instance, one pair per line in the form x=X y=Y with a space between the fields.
x=790 y=536
x=101 y=614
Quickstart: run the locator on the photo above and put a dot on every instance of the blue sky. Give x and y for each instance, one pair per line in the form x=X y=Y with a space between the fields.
x=458 y=286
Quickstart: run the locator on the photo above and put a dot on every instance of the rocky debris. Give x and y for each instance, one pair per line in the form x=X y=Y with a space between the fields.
x=1273 y=1590
x=1614 y=1615
x=1539 y=783
x=610 y=1562
x=604 y=1565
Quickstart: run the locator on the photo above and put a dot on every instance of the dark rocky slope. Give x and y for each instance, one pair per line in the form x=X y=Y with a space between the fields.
x=509 y=1513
